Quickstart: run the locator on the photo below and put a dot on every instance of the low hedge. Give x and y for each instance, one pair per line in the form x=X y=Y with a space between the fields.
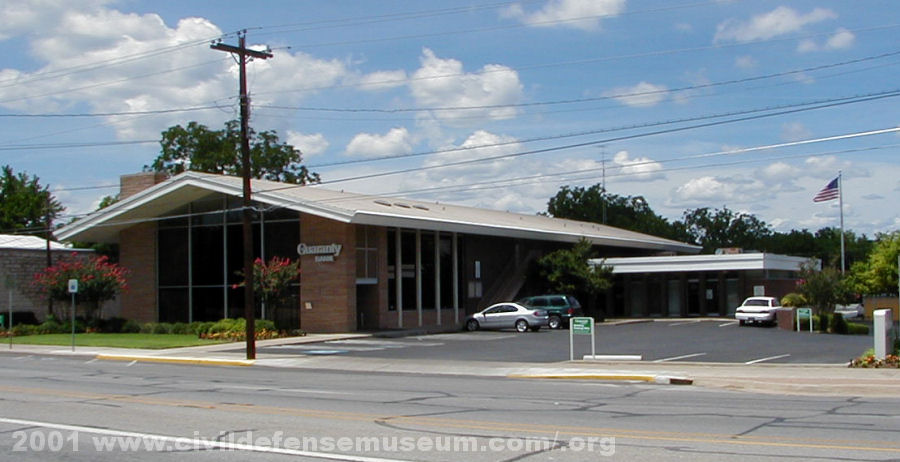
x=224 y=329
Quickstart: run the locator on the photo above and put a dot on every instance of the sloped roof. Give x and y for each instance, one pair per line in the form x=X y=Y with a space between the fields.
x=163 y=198
x=23 y=242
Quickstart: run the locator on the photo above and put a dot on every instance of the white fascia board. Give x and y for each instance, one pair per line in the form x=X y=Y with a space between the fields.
x=403 y=221
x=685 y=263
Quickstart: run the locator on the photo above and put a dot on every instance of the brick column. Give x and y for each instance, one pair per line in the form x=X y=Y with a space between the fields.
x=328 y=287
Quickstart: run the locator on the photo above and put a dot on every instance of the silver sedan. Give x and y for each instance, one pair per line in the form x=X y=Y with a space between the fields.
x=508 y=315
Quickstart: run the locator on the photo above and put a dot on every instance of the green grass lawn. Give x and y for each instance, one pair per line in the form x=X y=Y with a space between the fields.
x=146 y=341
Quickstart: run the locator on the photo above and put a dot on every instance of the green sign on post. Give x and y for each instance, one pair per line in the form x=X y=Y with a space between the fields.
x=580 y=326
x=804 y=312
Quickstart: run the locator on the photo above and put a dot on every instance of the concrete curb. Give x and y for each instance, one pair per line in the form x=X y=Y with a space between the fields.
x=177 y=360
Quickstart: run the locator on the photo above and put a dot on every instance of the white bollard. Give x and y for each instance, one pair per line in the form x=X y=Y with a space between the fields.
x=882 y=332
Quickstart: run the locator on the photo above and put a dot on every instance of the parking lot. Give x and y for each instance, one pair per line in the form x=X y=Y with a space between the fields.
x=702 y=340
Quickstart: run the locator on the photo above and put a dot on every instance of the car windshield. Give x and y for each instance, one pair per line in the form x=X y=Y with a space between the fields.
x=756 y=303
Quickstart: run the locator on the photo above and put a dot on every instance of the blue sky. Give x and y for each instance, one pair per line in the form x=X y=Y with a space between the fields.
x=753 y=105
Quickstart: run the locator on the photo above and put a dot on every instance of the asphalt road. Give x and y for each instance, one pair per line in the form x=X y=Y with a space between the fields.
x=65 y=408
x=684 y=340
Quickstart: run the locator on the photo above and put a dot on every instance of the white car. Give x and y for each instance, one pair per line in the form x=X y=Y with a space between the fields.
x=757 y=310
x=851 y=311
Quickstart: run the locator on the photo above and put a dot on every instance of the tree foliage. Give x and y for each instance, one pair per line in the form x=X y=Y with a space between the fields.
x=272 y=279
x=24 y=203
x=626 y=212
x=98 y=279
x=878 y=274
x=200 y=149
x=823 y=289
x=713 y=229
x=568 y=271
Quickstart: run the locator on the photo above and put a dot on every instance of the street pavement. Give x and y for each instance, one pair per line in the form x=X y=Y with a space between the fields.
x=792 y=378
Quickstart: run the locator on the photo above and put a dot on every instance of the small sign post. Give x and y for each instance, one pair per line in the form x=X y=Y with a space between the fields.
x=73 y=289
x=801 y=312
x=580 y=326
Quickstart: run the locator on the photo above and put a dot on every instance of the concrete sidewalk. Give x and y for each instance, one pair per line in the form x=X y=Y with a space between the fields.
x=806 y=379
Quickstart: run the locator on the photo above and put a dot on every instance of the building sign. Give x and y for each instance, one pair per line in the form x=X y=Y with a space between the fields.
x=322 y=253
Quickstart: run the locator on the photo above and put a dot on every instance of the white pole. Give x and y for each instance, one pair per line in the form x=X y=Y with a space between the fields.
x=841 y=206
x=73 y=321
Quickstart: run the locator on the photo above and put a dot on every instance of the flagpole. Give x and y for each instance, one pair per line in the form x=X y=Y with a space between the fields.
x=841 y=206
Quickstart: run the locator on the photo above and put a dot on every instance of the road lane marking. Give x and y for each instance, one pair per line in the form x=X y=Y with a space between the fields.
x=204 y=444
x=675 y=358
x=770 y=358
x=732 y=323
x=685 y=323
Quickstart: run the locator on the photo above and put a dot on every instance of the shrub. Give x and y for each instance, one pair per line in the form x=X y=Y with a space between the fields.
x=199 y=328
x=823 y=322
x=162 y=328
x=51 y=326
x=264 y=324
x=793 y=300
x=838 y=325
x=854 y=328
x=147 y=327
x=80 y=326
x=868 y=360
x=131 y=327
x=181 y=328
x=19 y=330
x=113 y=325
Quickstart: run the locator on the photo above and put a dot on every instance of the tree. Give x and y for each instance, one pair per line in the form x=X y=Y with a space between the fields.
x=25 y=204
x=627 y=212
x=715 y=229
x=200 y=149
x=568 y=271
x=272 y=279
x=98 y=279
x=823 y=289
x=878 y=274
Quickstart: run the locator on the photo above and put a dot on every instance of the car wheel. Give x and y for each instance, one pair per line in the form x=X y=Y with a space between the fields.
x=742 y=323
x=472 y=325
x=555 y=322
x=521 y=325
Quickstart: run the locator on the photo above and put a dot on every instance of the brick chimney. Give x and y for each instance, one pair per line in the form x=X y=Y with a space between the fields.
x=130 y=185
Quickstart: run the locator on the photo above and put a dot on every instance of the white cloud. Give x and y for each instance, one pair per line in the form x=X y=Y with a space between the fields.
x=842 y=39
x=309 y=144
x=745 y=62
x=578 y=14
x=795 y=131
x=705 y=190
x=442 y=83
x=135 y=62
x=396 y=141
x=382 y=80
x=643 y=94
x=780 y=21
x=638 y=168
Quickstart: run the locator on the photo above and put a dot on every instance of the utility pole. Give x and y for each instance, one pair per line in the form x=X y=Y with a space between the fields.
x=603 y=196
x=242 y=53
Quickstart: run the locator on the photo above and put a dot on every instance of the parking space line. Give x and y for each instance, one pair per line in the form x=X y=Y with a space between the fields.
x=675 y=358
x=730 y=323
x=770 y=358
x=685 y=323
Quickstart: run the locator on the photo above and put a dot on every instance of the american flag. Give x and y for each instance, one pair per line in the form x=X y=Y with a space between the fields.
x=830 y=192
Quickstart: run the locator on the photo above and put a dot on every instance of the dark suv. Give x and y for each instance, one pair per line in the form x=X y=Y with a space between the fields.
x=560 y=308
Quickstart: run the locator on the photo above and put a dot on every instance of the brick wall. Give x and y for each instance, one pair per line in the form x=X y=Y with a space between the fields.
x=329 y=288
x=138 y=254
x=21 y=265
x=130 y=185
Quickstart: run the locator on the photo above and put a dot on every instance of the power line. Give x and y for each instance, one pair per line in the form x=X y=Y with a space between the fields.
x=569 y=101
x=110 y=114
x=785 y=109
